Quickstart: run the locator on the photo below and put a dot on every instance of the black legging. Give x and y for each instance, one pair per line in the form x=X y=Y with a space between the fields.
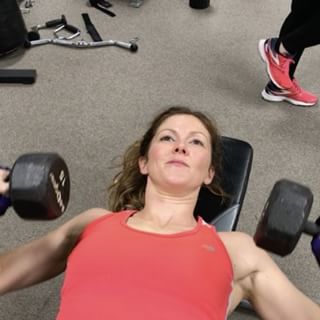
x=301 y=29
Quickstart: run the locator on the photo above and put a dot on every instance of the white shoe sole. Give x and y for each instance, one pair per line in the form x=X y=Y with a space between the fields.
x=265 y=60
x=273 y=98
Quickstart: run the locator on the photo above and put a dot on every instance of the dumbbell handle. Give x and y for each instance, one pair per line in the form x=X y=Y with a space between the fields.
x=311 y=228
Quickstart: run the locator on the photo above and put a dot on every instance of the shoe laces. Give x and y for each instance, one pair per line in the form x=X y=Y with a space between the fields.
x=285 y=62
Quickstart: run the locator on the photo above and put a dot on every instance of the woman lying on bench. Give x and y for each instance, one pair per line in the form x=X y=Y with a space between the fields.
x=150 y=258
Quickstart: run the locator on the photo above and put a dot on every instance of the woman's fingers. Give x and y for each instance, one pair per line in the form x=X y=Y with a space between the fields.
x=4 y=185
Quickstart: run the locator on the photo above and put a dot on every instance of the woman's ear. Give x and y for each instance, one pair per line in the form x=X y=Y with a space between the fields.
x=210 y=176
x=143 y=165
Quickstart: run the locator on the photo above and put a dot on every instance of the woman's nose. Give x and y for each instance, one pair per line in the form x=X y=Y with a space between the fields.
x=180 y=149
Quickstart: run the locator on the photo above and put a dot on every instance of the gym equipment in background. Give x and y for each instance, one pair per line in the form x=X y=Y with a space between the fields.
x=199 y=4
x=61 y=24
x=13 y=32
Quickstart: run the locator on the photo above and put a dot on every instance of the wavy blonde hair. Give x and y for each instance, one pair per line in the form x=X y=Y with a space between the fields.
x=127 y=190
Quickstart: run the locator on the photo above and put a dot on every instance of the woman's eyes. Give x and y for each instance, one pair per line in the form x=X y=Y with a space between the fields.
x=166 y=138
x=192 y=141
x=197 y=142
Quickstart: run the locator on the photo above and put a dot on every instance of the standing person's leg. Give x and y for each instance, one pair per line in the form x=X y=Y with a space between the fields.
x=299 y=31
x=279 y=59
x=297 y=17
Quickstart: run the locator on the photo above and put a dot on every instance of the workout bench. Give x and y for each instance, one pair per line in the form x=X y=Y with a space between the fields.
x=236 y=166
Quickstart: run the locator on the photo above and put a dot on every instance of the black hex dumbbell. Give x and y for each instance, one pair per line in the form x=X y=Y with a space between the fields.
x=285 y=218
x=39 y=187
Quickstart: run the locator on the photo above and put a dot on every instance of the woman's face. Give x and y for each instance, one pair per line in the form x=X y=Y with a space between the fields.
x=179 y=154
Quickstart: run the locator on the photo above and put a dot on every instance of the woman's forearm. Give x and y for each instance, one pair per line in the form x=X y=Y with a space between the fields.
x=34 y=262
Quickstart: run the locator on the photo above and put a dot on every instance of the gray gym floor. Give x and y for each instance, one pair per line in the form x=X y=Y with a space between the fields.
x=89 y=104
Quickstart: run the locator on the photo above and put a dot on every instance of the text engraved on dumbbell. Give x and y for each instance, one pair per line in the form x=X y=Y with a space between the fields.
x=62 y=178
x=58 y=194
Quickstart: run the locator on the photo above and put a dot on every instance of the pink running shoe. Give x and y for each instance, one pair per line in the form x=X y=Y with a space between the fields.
x=295 y=95
x=277 y=64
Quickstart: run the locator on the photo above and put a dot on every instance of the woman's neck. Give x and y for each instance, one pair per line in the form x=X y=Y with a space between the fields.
x=164 y=210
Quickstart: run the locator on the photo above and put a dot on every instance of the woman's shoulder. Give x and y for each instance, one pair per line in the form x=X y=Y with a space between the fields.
x=246 y=257
x=238 y=243
x=94 y=213
x=235 y=238
x=91 y=215
x=75 y=226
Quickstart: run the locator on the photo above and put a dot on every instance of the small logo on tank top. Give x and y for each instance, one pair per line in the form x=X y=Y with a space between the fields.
x=209 y=247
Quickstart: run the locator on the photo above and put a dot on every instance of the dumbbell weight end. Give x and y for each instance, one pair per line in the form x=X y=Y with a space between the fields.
x=285 y=218
x=40 y=186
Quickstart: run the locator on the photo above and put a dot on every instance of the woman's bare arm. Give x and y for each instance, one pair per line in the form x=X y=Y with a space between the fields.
x=44 y=258
x=258 y=279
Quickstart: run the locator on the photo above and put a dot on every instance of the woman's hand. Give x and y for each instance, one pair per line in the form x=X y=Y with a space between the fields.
x=4 y=185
